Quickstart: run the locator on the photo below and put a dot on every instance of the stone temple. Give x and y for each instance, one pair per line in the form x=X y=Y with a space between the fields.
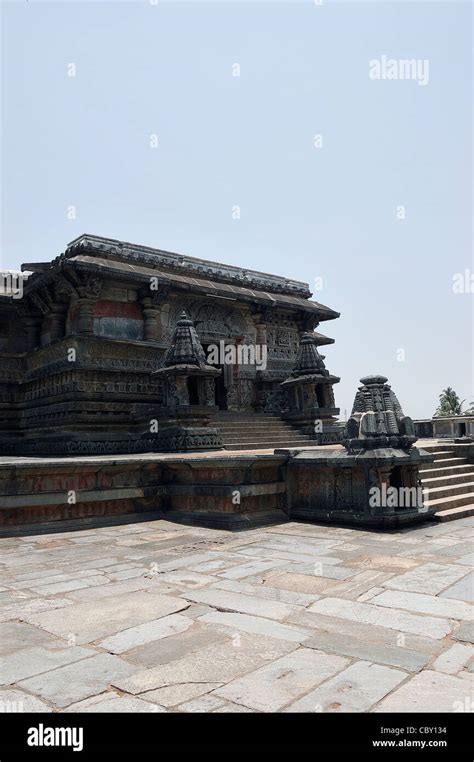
x=138 y=381
x=80 y=349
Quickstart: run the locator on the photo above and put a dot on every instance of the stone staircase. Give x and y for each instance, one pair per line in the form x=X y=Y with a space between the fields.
x=257 y=431
x=448 y=482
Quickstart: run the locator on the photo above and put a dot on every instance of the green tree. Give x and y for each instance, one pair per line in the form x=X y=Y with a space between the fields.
x=449 y=403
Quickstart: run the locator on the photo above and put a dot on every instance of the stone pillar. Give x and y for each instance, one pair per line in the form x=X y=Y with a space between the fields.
x=57 y=321
x=182 y=390
x=261 y=333
x=152 y=330
x=85 y=324
x=208 y=392
x=33 y=331
x=89 y=292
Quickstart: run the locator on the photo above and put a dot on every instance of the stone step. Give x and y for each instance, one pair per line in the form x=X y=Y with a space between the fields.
x=444 y=454
x=450 y=514
x=428 y=473
x=448 y=463
x=449 y=491
x=433 y=445
x=267 y=446
x=450 y=479
x=261 y=430
x=267 y=441
x=249 y=427
x=443 y=503
x=236 y=416
x=436 y=447
x=264 y=434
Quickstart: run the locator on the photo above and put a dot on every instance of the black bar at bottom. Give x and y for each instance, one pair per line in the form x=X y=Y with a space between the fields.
x=61 y=736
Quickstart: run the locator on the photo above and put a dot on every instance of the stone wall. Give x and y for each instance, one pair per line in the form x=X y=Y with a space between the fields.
x=230 y=493
x=78 y=351
x=108 y=385
x=453 y=427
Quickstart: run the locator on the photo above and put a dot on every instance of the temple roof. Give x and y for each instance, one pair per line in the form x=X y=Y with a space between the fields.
x=110 y=248
x=120 y=258
x=120 y=269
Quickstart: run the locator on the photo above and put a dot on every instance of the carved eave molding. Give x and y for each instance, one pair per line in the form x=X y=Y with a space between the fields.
x=141 y=277
x=61 y=282
x=115 y=250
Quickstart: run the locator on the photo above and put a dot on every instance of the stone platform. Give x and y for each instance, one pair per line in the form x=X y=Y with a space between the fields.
x=157 y=617
x=229 y=490
x=225 y=489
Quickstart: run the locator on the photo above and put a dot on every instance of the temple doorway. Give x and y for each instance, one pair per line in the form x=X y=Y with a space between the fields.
x=193 y=392
x=221 y=389
x=221 y=381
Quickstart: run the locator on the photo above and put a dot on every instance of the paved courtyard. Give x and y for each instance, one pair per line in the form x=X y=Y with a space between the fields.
x=156 y=617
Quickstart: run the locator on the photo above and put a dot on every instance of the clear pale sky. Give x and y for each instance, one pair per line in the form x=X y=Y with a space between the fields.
x=166 y=69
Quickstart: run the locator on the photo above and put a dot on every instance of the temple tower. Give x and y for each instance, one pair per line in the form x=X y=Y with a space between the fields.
x=310 y=404
x=189 y=394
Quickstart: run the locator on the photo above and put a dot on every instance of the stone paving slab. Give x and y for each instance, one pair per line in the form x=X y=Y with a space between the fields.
x=263 y=591
x=113 y=703
x=90 y=621
x=359 y=584
x=462 y=590
x=430 y=691
x=467 y=560
x=13 y=700
x=454 y=659
x=16 y=636
x=29 y=608
x=347 y=645
x=355 y=689
x=165 y=650
x=146 y=632
x=110 y=589
x=33 y=661
x=393 y=619
x=273 y=686
x=221 y=662
x=362 y=633
x=153 y=616
x=77 y=681
x=172 y=695
x=428 y=578
x=297 y=582
x=256 y=625
x=202 y=704
x=465 y=632
x=425 y=604
x=245 y=604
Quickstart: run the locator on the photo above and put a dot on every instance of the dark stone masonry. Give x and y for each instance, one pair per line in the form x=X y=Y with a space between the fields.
x=200 y=392
x=375 y=479
x=79 y=350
